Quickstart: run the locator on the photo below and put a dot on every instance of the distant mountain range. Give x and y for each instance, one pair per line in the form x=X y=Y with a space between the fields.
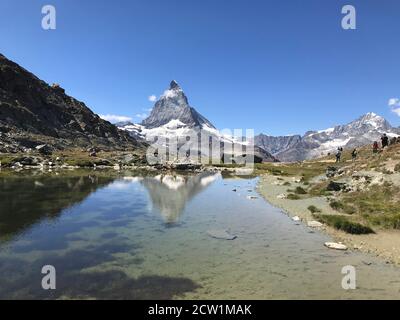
x=364 y=130
x=33 y=113
x=173 y=116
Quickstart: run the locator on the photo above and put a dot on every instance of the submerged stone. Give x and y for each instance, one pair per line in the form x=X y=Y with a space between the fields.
x=221 y=234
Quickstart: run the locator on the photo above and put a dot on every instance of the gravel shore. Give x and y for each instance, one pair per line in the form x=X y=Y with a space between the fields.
x=384 y=244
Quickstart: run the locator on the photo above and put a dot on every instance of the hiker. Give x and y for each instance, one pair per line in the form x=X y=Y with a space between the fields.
x=385 y=141
x=375 y=147
x=339 y=154
x=354 y=155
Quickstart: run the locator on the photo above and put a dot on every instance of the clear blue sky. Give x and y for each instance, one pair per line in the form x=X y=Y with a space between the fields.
x=278 y=66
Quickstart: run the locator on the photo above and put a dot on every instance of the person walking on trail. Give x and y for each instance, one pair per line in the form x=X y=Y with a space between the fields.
x=338 y=154
x=354 y=154
x=375 y=147
x=385 y=141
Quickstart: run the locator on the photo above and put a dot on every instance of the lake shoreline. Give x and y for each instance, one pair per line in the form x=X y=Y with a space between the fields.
x=384 y=244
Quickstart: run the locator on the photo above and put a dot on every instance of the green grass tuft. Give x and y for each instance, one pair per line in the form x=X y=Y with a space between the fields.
x=314 y=209
x=292 y=196
x=343 y=223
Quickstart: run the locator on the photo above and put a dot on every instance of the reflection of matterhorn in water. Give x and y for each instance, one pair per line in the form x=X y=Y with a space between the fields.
x=169 y=193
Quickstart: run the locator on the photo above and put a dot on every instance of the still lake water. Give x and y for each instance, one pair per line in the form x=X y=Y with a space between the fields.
x=135 y=236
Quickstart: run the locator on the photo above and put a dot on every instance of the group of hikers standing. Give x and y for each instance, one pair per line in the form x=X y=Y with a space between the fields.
x=339 y=153
x=375 y=147
x=385 y=143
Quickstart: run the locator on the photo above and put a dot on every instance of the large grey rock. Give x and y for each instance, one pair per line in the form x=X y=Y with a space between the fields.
x=335 y=186
x=44 y=149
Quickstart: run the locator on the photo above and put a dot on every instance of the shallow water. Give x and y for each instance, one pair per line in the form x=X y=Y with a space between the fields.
x=134 y=236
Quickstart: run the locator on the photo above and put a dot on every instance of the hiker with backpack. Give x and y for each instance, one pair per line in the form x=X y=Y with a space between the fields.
x=375 y=147
x=354 y=154
x=385 y=141
x=339 y=155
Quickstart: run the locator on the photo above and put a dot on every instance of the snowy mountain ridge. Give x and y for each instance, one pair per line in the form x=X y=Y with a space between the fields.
x=364 y=130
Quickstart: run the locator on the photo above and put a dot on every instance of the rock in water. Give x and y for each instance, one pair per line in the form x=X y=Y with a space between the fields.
x=252 y=197
x=221 y=234
x=336 y=246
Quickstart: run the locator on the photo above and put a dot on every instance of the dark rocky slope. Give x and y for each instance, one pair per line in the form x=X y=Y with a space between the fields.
x=33 y=112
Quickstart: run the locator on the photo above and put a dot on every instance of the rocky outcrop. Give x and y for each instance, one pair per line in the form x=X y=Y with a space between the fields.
x=34 y=113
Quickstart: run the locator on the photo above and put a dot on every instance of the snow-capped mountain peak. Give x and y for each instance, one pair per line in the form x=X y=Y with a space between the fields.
x=174 y=119
x=373 y=120
x=174 y=105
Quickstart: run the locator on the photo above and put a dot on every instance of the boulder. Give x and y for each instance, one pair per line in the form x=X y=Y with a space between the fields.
x=44 y=149
x=103 y=162
x=252 y=197
x=314 y=224
x=335 y=186
x=331 y=172
x=335 y=246
x=29 y=161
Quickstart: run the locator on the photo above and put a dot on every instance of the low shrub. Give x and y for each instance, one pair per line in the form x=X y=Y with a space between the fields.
x=336 y=205
x=343 y=223
x=314 y=209
x=300 y=190
x=292 y=196
x=342 y=207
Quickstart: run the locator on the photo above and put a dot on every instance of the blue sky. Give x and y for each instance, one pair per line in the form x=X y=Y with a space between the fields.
x=278 y=66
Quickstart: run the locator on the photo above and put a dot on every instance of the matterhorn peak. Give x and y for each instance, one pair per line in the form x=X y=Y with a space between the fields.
x=173 y=105
x=174 y=85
